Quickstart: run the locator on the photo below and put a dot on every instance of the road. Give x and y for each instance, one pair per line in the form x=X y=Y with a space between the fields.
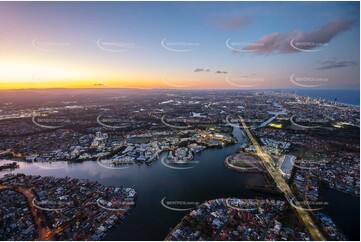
x=42 y=231
x=283 y=186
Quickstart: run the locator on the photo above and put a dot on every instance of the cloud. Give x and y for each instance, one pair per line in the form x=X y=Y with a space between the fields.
x=286 y=42
x=231 y=22
x=331 y=64
x=199 y=70
x=208 y=70
x=202 y=70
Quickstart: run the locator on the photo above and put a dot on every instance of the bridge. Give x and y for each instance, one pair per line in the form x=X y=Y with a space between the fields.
x=283 y=186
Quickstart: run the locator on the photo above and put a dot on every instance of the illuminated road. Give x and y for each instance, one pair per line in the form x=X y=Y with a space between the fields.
x=28 y=193
x=283 y=186
x=43 y=232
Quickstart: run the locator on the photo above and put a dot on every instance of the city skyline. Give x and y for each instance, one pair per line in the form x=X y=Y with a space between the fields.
x=204 y=45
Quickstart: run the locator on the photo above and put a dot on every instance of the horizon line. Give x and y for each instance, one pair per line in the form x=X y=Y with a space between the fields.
x=182 y=89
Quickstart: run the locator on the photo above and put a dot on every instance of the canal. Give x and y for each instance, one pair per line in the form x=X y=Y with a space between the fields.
x=208 y=179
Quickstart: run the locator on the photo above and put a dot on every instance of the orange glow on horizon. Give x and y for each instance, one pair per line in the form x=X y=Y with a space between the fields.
x=35 y=74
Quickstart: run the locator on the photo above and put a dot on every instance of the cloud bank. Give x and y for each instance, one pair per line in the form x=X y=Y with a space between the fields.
x=282 y=42
x=331 y=64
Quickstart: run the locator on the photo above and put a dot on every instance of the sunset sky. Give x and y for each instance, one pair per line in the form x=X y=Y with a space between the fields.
x=179 y=45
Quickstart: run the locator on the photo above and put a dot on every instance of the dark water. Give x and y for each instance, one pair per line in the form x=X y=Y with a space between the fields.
x=209 y=179
x=344 y=210
x=348 y=96
x=149 y=220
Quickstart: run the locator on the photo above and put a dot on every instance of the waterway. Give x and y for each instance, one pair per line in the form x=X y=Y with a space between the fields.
x=276 y=113
x=209 y=179
x=149 y=220
x=344 y=209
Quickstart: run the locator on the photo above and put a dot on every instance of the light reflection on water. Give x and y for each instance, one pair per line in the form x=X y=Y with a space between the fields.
x=209 y=179
x=149 y=220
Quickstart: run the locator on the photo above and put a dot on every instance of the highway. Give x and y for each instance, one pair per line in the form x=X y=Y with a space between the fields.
x=283 y=186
